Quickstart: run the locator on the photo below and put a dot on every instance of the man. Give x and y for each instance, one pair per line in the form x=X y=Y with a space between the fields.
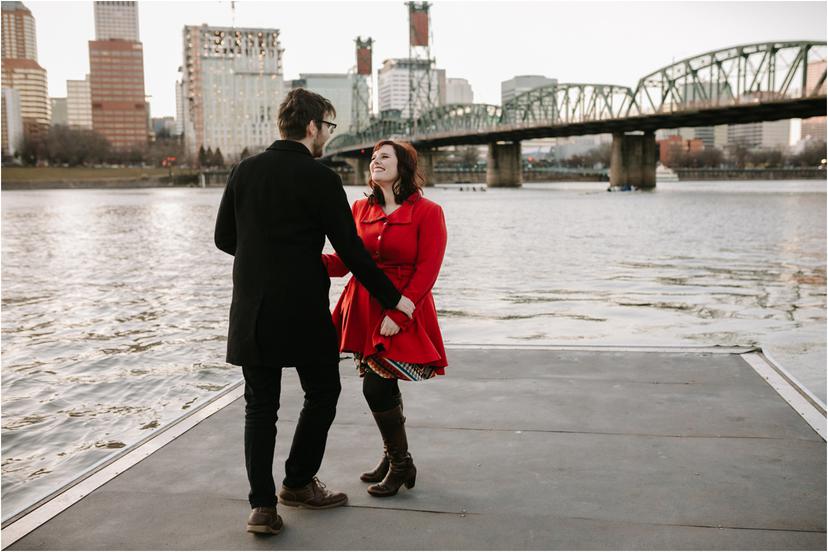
x=276 y=210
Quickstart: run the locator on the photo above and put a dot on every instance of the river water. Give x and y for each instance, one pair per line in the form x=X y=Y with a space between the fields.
x=114 y=303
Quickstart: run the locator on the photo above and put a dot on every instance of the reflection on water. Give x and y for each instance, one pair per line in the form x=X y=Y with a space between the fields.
x=115 y=302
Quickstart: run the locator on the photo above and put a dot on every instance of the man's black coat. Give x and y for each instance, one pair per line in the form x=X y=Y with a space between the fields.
x=277 y=208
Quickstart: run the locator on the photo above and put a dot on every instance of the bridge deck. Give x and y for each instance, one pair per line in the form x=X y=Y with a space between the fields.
x=516 y=449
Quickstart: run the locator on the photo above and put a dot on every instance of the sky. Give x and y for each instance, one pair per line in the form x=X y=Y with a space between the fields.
x=483 y=42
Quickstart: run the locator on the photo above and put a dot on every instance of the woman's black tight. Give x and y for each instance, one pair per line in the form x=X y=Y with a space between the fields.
x=382 y=394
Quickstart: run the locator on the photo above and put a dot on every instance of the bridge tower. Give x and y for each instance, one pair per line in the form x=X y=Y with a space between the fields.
x=361 y=91
x=422 y=84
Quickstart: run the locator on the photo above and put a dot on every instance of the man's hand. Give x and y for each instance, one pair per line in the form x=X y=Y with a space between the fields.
x=406 y=306
x=389 y=327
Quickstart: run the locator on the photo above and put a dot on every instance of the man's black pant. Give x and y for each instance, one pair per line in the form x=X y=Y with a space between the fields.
x=263 y=384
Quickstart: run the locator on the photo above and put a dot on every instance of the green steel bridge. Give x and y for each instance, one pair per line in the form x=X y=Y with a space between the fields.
x=740 y=84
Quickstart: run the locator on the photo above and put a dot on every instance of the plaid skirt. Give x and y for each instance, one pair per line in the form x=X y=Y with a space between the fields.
x=389 y=369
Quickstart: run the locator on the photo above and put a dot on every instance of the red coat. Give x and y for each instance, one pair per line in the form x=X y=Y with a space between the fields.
x=408 y=246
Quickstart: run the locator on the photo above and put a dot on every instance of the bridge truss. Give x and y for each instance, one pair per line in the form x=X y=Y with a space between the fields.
x=768 y=74
x=752 y=73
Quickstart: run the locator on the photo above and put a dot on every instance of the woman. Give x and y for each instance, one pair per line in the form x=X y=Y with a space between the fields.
x=406 y=236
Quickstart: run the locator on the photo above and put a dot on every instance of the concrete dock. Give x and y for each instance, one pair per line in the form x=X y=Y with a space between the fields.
x=531 y=448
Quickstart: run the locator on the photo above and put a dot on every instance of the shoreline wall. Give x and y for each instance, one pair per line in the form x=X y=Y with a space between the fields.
x=92 y=184
x=441 y=176
x=750 y=174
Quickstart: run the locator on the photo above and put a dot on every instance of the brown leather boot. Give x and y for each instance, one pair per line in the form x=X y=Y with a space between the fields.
x=378 y=474
x=401 y=470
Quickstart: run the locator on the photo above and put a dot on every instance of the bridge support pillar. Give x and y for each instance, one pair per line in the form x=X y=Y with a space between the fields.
x=425 y=162
x=361 y=172
x=503 y=167
x=633 y=160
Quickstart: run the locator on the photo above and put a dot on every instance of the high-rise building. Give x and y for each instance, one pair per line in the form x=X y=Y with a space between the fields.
x=459 y=91
x=29 y=78
x=116 y=21
x=59 y=115
x=393 y=84
x=814 y=127
x=116 y=77
x=336 y=87
x=19 y=36
x=12 y=122
x=720 y=136
x=78 y=103
x=706 y=134
x=162 y=126
x=516 y=86
x=116 y=85
x=21 y=70
x=815 y=73
x=232 y=84
x=765 y=134
x=711 y=136
x=179 y=107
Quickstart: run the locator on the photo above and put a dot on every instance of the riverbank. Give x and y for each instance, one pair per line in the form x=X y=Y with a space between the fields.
x=35 y=178
x=43 y=178
x=750 y=174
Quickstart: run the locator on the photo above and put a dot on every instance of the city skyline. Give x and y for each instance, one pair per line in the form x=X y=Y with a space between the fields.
x=606 y=42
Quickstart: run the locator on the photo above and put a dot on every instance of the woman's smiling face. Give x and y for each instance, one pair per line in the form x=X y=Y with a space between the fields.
x=384 y=165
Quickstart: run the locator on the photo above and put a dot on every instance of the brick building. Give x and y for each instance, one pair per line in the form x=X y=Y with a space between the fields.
x=116 y=77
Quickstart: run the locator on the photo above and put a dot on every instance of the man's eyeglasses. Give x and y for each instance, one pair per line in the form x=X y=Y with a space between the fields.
x=330 y=124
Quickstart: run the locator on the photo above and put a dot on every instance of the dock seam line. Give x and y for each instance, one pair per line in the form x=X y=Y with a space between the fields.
x=713 y=349
x=462 y=513
x=702 y=526
x=633 y=434
x=574 y=432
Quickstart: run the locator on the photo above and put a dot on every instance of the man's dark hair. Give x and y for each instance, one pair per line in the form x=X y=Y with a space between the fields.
x=299 y=108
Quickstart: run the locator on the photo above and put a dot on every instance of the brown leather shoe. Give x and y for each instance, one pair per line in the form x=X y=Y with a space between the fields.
x=314 y=496
x=264 y=520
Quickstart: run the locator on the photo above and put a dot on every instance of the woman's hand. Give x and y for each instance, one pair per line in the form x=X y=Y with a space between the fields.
x=406 y=306
x=389 y=327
